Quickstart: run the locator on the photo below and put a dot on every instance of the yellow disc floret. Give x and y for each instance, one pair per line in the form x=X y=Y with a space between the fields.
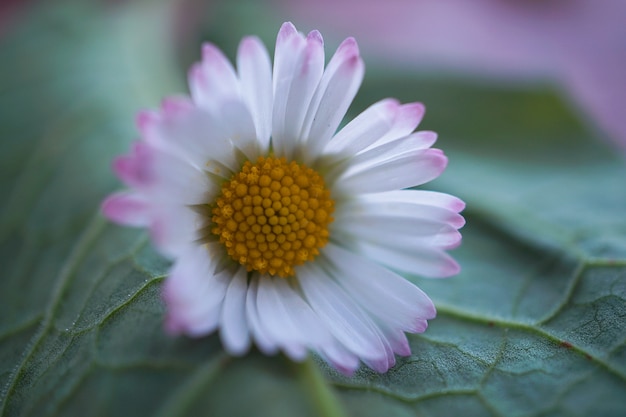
x=273 y=215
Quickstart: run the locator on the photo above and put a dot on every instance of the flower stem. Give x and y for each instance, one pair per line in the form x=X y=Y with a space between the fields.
x=327 y=403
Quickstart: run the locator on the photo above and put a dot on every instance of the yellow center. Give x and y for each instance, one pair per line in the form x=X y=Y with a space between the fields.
x=273 y=215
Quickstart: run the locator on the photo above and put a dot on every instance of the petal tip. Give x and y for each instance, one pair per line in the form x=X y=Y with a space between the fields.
x=450 y=269
x=404 y=349
x=144 y=119
x=210 y=51
x=236 y=348
x=249 y=44
x=315 y=36
x=349 y=47
x=416 y=109
x=440 y=160
x=286 y=31
x=125 y=208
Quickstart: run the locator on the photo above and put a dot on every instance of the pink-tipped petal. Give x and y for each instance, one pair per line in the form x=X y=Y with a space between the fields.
x=288 y=56
x=145 y=119
x=307 y=73
x=162 y=176
x=391 y=299
x=407 y=119
x=135 y=168
x=343 y=360
x=398 y=340
x=287 y=31
x=365 y=129
x=404 y=232
x=127 y=208
x=405 y=170
x=389 y=199
x=334 y=94
x=426 y=220
x=190 y=133
x=420 y=260
x=339 y=313
x=213 y=79
x=426 y=216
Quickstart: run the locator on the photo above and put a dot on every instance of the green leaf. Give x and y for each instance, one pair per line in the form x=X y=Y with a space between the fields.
x=534 y=325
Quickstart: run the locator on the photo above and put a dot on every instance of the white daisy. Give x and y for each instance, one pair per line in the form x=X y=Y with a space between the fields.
x=284 y=232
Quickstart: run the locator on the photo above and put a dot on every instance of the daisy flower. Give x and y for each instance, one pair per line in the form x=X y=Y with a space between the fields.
x=284 y=231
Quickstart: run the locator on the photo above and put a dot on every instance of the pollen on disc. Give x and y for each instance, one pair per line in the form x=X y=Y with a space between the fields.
x=273 y=215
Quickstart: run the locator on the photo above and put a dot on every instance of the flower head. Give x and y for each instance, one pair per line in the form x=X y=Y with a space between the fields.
x=283 y=231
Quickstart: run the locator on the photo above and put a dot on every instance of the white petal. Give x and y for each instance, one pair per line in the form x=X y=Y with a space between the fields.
x=163 y=177
x=339 y=313
x=415 y=144
x=404 y=233
x=417 y=259
x=193 y=293
x=310 y=331
x=400 y=223
x=234 y=329
x=188 y=132
x=269 y=317
x=264 y=341
x=407 y=119
x=289 y=48
x=276 y=318
x=397 y=338
x=386 y=361
x=213 y=80
x=307 y=74
x=391 y=299
x=386 y=206
x=388 y=200
x=341 y=358
x=365 y=129
x=150 y=124
x=255 y=74
x=174 y=228
x=380 y=123
x=383 y=364
x=392 y=172
x=237 y=122
x=127 y=208
x=422 y=223
x=336 y=90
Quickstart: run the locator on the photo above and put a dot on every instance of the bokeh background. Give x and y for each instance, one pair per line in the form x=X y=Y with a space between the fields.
x=529 y=100
x=574 y=49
